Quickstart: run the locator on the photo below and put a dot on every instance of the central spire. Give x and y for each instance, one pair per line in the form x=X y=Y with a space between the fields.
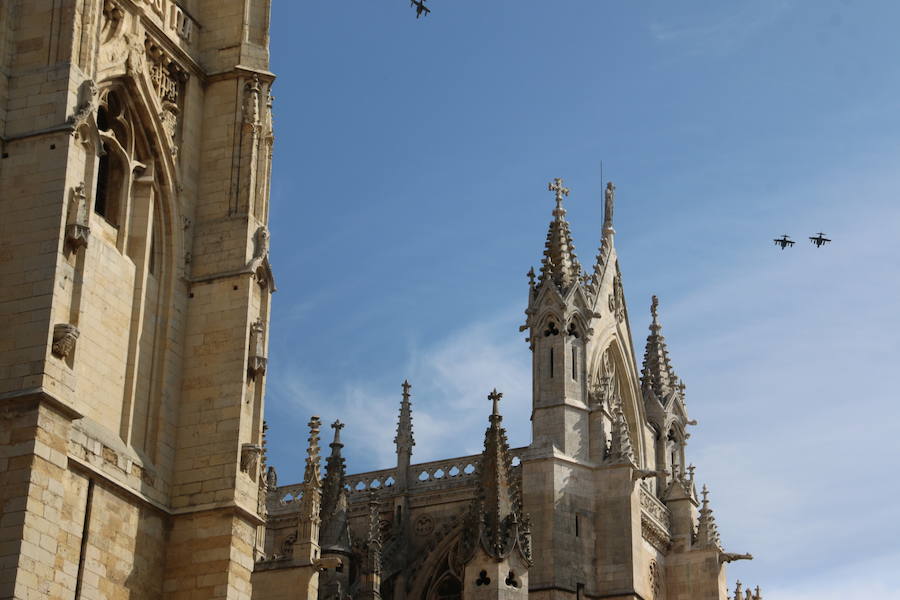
x=559 y=265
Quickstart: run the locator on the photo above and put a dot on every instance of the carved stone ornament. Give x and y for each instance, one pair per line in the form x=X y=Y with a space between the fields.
x=64 y=337
x=655 y=535
x=88 y=96
x=252 y=92
x=256 y=361
x=78 y=231
x=250 y=454
x=617 y=299
x=424 y=525
x=655 y=579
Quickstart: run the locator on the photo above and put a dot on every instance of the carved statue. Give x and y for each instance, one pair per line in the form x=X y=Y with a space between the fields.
x=250 y=454
x=78 y=230
x=88 y=96
x=256 y=361
x=262 y=243
x=64 y=337
x=610 y=196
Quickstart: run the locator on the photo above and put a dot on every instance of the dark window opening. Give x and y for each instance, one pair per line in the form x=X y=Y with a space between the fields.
x=449 y=588
x=108 y=188
x=574 y=362
x=577 y=526
x=102 y=119
x=551 y=363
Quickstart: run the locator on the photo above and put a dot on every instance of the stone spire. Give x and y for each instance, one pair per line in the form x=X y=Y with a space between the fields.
x=404 y=439
x=306 y=548
x=657 y=374
x=495 y=518
x=559 y=265
x=335 y=536
x=707 y=530
x=620 y=449
x=370 y=580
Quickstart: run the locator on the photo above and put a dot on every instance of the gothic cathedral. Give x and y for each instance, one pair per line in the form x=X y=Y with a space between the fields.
x=136 y=140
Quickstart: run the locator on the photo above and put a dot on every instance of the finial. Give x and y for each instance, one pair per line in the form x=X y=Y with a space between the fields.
x=337 y=426
x=495 y=397
x=691 y=468
x=406 y=387
x=531 y=276
x=705 y=493
x=557 y=186
x=654 y=313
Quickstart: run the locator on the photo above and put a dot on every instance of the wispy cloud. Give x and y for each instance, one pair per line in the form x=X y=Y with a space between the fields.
x=722 y=31
x=451 y=378
x=786 y=359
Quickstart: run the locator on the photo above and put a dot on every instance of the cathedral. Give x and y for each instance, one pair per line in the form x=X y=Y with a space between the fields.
x=136 y=145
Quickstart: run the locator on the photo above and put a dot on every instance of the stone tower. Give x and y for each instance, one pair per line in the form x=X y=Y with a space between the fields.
x=136 y=285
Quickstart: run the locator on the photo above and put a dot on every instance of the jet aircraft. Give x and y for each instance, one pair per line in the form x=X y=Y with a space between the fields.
x=819 y=240
x=421 y=9
x=784 y=241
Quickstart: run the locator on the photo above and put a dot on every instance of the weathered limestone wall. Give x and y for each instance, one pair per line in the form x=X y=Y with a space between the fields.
x=129 y=459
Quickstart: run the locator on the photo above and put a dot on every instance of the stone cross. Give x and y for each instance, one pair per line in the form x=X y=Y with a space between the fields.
x=495 y=397
x=337 y=426
x=557 y=186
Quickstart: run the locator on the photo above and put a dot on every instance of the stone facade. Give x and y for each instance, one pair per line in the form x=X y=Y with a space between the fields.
x=136 y=155
x=601 y=504
x=136 y=151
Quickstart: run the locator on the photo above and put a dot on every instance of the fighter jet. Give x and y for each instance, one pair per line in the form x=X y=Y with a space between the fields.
x=784 y=241
x=820 y=240
x=421 y=9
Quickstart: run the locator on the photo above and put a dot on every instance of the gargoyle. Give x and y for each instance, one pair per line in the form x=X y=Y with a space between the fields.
x=640 y=474
x=727 y=557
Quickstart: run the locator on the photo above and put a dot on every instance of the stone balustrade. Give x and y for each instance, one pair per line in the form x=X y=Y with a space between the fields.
x=437 y=474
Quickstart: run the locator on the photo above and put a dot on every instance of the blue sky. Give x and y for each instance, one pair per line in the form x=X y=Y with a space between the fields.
x=409 y=200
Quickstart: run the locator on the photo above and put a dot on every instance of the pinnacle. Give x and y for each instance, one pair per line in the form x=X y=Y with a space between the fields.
x=559 y=265
x=620 y=449
x=657 y=373
x=495 y=510
x=404 y=439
